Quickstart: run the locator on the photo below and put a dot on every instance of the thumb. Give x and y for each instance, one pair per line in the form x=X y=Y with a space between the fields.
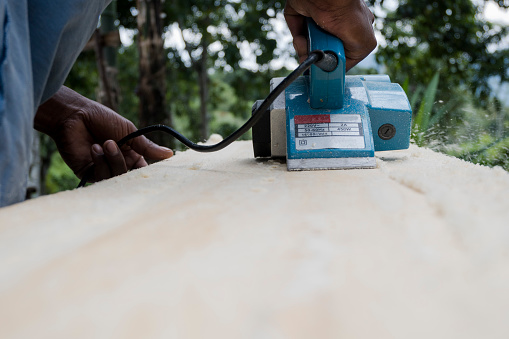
x=149 y=149
x=298 y=28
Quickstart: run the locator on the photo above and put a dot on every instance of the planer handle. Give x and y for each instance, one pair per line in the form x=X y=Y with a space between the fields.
x=326 y=88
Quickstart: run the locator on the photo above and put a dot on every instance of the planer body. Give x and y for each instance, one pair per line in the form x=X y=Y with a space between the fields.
x=326 y=120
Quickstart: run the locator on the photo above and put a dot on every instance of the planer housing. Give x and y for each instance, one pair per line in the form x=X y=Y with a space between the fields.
x=326 y=120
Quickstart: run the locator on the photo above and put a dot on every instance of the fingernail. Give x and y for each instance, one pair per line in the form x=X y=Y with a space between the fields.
x=169 y=152
x=111 y=147
x=97 y=149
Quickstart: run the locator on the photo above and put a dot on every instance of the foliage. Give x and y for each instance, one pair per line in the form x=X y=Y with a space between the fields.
x=422 y=118
x=226 y=24
x=477 y=137
x=84 y=77
x=232 y=95
x=213 y=34
x=449 y=36
x=425 y=41
x=483 y=137
x=486 y=150
x=127 y=61
x=60 y=177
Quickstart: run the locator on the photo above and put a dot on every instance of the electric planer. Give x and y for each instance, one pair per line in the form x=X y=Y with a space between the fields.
x=326 y=120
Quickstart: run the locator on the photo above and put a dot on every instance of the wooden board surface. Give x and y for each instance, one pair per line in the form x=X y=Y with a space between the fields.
x=224 y=246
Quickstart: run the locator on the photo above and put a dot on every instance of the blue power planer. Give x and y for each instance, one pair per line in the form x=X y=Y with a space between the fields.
x=326 y=120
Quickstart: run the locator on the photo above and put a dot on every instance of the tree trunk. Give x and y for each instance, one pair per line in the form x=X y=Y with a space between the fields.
x=106 y=56
x=46 y=149
x=203 y=80
x=34 y=172
x=152 y=81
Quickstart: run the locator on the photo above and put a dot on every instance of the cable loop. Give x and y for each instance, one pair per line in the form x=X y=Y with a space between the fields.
x=313 y=58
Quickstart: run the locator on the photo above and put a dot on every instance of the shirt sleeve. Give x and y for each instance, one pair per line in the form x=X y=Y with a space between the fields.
x=59 y=29
x=39 y=42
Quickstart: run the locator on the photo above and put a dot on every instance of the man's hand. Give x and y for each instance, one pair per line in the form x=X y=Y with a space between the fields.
x=84 y=131
x=349 y=20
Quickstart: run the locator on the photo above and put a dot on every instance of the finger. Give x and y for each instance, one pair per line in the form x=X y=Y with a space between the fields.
x=300 y=43
x=101 y=168
x=368 y=12
x=355 y=53
x=298 y=28
x=140 y=163
x=134 y=160
x=114 y=157
x=150 y=150
x=295 y=21
x=350 y=63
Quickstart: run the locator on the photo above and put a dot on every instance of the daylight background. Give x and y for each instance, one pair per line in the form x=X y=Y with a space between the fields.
x=200 y=67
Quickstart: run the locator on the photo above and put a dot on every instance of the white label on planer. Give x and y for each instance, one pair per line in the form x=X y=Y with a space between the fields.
x=328 y=131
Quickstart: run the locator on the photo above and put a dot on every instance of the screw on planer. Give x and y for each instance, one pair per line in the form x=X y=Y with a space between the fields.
x=386 y=131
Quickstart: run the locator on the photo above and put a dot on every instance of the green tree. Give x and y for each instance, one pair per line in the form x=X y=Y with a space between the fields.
x=450 y=40
x=106 y=41
x=213 y=33
x=152 y=67
x=448 y=36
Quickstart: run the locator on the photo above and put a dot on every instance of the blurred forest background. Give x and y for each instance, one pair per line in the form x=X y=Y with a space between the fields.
x=199 y=67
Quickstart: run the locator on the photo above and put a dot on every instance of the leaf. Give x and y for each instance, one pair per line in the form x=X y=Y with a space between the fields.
x=424 y=113
x=415 y=97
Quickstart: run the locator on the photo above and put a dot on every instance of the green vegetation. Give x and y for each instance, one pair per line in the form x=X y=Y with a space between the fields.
x=60 y=177
x=480 y=136
x=442 y=52
x=445 y=53
x=422 y=119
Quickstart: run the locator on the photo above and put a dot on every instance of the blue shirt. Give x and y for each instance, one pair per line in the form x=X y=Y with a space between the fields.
x=39 y=42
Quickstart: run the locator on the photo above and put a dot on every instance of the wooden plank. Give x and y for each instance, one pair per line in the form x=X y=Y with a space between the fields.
x=225 y=246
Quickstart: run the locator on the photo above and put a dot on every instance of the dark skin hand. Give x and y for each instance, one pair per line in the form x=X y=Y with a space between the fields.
x=84 y=132
x=349 y=20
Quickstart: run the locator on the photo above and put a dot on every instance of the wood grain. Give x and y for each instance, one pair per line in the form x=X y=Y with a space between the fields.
x=225 y=246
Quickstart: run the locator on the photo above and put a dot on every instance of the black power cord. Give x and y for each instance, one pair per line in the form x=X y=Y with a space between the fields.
x=315 y=57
